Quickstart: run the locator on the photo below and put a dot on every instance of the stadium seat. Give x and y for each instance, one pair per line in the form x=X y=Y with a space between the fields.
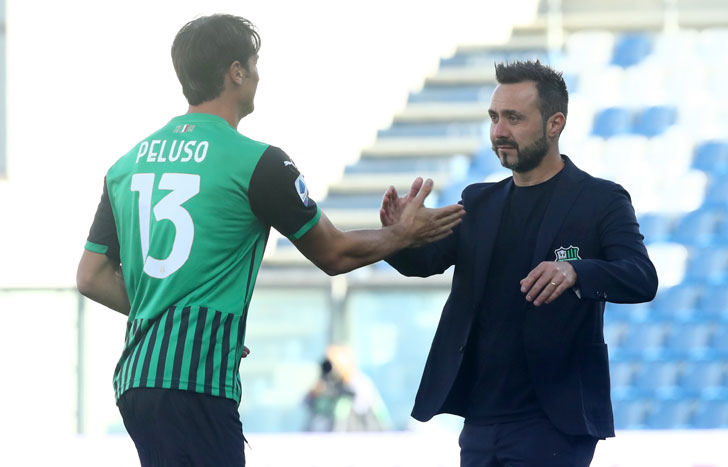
x=656 y=227
x=719 y=346
x=698 y=228
x=630 y=49
x=657 y=379
x=612 y=121
x=654 y=120
x=716 y=195
x=673 y=414
x=678 y=303
x=711 y=414
x=690 y=341
x=630 y=414
x=627 y=312
x=712 y=157
x=706 y=380
x=621 y=375
x=713 y=304
x=453 y=93
x=707 y=265
x=643 y=340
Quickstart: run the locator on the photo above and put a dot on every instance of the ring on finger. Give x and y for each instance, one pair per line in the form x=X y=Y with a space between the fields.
x=554 y=284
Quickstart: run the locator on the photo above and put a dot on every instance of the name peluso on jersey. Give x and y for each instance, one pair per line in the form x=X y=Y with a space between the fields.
x=161 y=150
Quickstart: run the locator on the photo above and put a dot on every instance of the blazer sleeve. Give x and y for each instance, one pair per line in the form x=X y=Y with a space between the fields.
x=427 y=260
x=625 y=273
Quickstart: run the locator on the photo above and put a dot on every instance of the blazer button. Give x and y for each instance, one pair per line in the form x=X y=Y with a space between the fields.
x=461 y=349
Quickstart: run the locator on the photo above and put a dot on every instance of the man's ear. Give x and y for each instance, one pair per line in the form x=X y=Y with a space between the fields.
x=237 y=72
x=555 y=124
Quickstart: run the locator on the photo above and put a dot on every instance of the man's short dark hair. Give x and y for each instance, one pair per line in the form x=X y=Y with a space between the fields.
x=204 y=49
x=550 y=84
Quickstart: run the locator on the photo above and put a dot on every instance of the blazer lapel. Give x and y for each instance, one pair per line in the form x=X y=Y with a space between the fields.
x=486 y=233
x=565 y=194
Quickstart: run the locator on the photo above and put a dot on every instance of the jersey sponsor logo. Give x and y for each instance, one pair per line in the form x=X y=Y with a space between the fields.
x=301 y=189
x=567 y=254
x=287 y=163
x=161 y=150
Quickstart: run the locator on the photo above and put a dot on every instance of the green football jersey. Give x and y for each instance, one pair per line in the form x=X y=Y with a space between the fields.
x=187 y=213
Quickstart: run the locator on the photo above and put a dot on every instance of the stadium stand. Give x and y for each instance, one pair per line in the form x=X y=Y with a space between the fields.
x=649 y=109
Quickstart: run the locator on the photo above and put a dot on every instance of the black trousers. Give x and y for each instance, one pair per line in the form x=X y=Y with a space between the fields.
x=527 y=443
x=172 y=428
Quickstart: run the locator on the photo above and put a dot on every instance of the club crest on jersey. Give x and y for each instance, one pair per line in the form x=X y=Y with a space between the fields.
x=301 y=189
x=567 y=254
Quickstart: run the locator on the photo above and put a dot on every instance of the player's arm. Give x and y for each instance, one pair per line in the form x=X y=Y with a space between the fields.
x=99 y=272
x=100 y=279
x=336 y=252
x=279 y=197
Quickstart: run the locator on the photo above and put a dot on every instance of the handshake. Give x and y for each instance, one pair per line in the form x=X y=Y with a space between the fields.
x=411 y=220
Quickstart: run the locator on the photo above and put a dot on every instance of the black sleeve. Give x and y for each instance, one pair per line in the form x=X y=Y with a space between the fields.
x=279 y=197
x=102 y=237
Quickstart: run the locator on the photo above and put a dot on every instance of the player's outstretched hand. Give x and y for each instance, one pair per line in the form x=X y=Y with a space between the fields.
x=392 y=204
x=418 y=224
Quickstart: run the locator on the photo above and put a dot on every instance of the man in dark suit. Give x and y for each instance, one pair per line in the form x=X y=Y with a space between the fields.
x=519 y=351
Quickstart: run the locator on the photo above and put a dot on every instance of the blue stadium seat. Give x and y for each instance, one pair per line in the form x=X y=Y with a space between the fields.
x=432 y=130
x=487 y=56
x=690 y=341
x=716 y=194
x=627 y=312
x=612 y=121
x=444 y=94
x=621 y=376
x=658 y=379
x=670 y=415
x=484 y=162
x=656 y=227
x=711 y=414
x=706 y=380
x=713 y=304
x=699 y=227
x=719 y=346
x=643 y=340
x=352 y=201
x=630 y=414
x=706 y=266
x=396 y=165
x=677 y=303
x=630 y=49
x=653 y=121
x=712 y=157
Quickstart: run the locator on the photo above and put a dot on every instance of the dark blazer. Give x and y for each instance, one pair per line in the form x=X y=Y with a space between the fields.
x=564 y=340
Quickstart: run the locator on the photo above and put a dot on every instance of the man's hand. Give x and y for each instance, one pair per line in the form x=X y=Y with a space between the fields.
x=413 y=221
x=392 y=204
x=246 y=351
x=547 y=281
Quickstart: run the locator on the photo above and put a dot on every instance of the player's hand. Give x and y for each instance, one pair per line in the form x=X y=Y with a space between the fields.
x=547 y=281
x=416 y=223
x=392 y=204
x=246 y=351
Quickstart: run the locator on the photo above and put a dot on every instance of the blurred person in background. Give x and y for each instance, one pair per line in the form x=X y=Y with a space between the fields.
x=519 y=351
x=344 y=398
x=178 y=239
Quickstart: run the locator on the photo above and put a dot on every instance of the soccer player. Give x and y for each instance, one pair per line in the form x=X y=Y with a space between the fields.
x=178 y=239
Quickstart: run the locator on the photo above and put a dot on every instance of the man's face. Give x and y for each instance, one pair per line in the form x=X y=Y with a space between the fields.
x=517 y=131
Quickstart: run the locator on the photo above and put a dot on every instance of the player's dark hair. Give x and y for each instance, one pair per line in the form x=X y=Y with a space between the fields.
x=204 y=49
x=552 y=92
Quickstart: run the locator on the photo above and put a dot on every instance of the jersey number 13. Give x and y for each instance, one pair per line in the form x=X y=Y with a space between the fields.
x=182 y=187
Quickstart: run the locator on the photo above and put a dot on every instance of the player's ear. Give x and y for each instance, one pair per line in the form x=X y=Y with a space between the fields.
x=237 y=72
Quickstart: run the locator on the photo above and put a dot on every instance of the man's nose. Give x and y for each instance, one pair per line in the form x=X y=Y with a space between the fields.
x=499 y=129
